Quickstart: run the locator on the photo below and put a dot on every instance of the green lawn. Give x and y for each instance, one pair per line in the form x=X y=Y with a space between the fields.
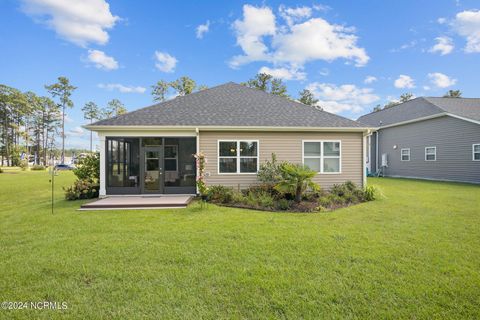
x=414 y=254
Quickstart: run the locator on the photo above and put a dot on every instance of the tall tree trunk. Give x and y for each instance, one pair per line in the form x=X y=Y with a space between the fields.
x=63 y=134
x=91 y=137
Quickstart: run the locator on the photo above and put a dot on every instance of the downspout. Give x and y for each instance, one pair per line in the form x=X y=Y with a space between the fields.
x=376 y=150
x=365 y=150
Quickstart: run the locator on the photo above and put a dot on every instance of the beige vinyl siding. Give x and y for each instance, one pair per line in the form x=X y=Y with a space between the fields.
x=287 y=146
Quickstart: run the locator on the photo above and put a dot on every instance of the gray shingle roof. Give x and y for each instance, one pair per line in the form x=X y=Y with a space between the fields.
x=423 y=107
x=230 y=104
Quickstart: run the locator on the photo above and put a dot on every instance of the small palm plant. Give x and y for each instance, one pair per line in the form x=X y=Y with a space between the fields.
x=296 y=179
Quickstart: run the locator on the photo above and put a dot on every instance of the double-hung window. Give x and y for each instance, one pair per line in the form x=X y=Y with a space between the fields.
x=322 y=156
x=405 y=154
x=237 y=156
x=431 y=154
x=476 y=152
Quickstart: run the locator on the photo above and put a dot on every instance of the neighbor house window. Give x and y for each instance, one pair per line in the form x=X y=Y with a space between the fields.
x=431 y=154
x=405 y=154
x=476 y=152
x=322 y=156
x=238 y=156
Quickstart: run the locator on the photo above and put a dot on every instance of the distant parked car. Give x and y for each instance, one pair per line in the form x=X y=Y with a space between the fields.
x=63 y=166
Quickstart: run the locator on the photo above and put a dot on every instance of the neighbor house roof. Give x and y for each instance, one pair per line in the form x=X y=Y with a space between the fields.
x=423 y=107
x=229 y=105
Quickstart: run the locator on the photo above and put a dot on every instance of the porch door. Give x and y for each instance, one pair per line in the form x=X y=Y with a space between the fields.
x=153 y=180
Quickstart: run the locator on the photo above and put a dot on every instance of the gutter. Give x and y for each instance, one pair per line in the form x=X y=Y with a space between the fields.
x=224 y=128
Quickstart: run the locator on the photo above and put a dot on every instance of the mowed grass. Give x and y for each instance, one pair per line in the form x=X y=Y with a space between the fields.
x=414 y=254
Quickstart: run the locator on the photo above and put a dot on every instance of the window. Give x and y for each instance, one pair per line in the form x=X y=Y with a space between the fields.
x=237 y=156
x=405 y=154
x=322 y=156
x=476 y=152
x=431 y=154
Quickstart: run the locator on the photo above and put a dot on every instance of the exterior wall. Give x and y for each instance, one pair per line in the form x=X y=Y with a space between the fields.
x=452 y=137
x=287 y=146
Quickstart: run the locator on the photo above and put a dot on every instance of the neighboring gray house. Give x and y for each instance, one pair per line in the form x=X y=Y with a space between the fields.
x=150 y=150
x=427 y=138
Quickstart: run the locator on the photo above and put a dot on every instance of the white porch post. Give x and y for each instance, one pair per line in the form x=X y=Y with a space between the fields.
x=103 y=160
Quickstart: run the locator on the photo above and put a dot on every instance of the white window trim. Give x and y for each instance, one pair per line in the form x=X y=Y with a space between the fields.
x=238 y=157
x=401 y=154
x=435 y=153
x=473 y=151
x=176 y=158
x=322 y=156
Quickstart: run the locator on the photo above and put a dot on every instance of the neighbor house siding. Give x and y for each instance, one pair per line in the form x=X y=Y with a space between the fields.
x=287 y=146
x=453 y=139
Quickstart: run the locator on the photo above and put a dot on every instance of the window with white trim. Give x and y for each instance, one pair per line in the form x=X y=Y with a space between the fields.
x=405 y=154
x=322 y=156
x=431 y=154
x=237 y=156
x=476 y=152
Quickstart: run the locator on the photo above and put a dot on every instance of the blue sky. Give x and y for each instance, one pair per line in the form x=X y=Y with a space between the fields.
x=352 y=54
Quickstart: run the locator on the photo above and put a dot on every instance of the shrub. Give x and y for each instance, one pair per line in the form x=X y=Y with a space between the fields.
x=220 y=194
x=238 y=197
x=23 y=164
x=1 y=170
x=370 y=193
x=261 y=188
x=283 y=204
x=81 y=189
x=349 y=192
x=262 y=199
x=296 y=179
x=269 y=173
x=37 y=167
x=325 y=201
x=88 y=168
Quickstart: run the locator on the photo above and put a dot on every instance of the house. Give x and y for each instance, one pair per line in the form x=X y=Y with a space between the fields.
x=150 y=150
x=428 y=138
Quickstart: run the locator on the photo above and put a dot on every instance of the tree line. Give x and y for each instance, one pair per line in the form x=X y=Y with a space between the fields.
x=31 y=124
x=163 y=90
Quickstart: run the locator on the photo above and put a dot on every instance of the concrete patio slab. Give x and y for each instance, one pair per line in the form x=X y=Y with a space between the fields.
x=138 y=202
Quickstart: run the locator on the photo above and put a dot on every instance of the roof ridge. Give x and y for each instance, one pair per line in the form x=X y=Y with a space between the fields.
x=397 y=105
x=294 y=101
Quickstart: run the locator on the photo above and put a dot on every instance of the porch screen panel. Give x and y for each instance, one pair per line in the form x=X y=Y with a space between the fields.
x=179 y=162
x=122 y=162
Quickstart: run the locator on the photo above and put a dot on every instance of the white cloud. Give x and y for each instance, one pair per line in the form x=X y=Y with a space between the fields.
x=284 y=73
x=122 y=88
x=441 y=20
x=76 y=132
x=302 y=39
x=256 y=23
x=441 y=80
x=101 y=60
x=67 y=118
x=443 y=46
x=165 y=62
x=292 y=15
x=467 y=24
x=202 y=29
x=404 y=81
x=426 y=88
x=347 y=97
x=370 y=79
x=316 y=39
x=80 y=22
